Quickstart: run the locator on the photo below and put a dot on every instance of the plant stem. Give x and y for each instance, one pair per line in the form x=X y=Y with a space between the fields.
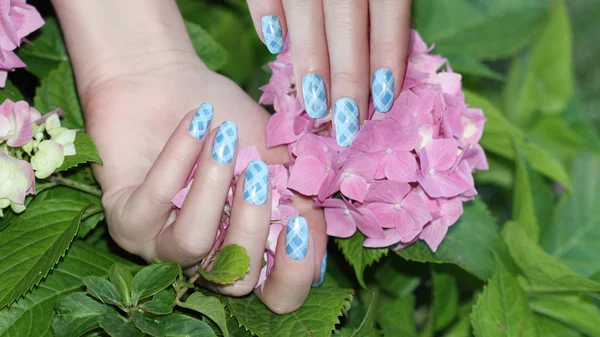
x=59 y=180
x=205 y=263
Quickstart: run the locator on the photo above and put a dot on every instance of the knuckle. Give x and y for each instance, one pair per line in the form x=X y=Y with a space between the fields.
x=188 y=247
x=282 y=308
x=347 y=79
x=238 y=289
x=306 y=52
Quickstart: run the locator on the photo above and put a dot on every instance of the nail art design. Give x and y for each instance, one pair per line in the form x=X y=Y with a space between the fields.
x=225 y=142
x=273 y=34
x=383 y=89
x=345 y=120
x=315 y=98
x=256 y=182
x=296 y=238
x=323 y=269
x=201 y=120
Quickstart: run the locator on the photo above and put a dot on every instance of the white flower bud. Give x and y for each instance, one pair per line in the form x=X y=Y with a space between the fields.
x=47 y=159
x=66 y=137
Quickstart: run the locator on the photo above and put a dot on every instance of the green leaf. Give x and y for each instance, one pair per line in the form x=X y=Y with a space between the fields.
x=121 y=278
x=91 y=218
x=152 y=279
x=462 y=328
x=398 y=319
x=118 y=326
x=544 y=273
x=542 y=78
x=559 y=137
x=445 y=299
x=232 y=264
x=85 y=152
x=10 y=92
x=208 y=306
x=467 y=64
x=366 y=327
x=523 y=209
x=209 y=50
x=574 y=234
x=499 y=27
x=177 y=325
x=161 y=304
x=470 y=243
x=499 y=134
x=549 y=327
x=394 y=282
x=147 y=325
x=57 y=90
x=317 y=317
x=102 y=289
x=358 y=256
x=502 y=309
x=33 y=243
x=570 y=310
x=37 y=306
x=77 y=313
x=45 y=52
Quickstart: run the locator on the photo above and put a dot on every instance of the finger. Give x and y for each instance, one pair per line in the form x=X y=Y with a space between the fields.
x=149 y=206
x=288 y=285
x=269 y=22
x=347 y=38
x=390 y=32
x=250 y=222
x=191 y=236
x=309 y=53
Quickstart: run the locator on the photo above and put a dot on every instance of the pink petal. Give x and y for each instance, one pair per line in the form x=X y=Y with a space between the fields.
x=401 y=166
x=388 y=191
x=179 y=198
x=354 y=187
x=10 y=60
x=328 y=187
x=451 y=210
x=280 y=129
x=244 y=157
x=367 y=223
x=450 y=82
x=445 y=184
x=361 y=165
x=339 y=223
x=433 y=234
x=390 y=237
x=307 y=175
x=440 y=154
x=384 y=212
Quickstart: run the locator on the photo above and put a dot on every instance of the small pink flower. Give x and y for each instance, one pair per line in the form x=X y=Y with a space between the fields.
x=353 y=178
x=449 y=212
x=343 y=219
x=288 y=123
x=396 y=206
x=315 y=169
x=281 y=81
x=438 y=175
x=18 y=20
x=15 y=122
x=16 y=181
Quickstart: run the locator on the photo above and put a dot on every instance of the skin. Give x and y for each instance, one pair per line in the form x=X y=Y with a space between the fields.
x=140 y=81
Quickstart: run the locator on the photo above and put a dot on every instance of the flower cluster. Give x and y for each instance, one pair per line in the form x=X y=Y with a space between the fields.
x=407 y=172
x=31 y=145
x=18 y=20
x=281 y=206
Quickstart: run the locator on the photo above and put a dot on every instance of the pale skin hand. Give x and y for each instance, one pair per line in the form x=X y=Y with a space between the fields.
x=139 y=82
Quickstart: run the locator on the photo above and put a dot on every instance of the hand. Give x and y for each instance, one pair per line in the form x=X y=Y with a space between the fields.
x=333 y=53
x=138 y=107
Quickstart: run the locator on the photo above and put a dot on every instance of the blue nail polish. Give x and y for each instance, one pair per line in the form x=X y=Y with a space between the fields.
x=201 y=120
x=225 y=142
x=323 y=269
x=256 y=182
x=273 y=34
x=383 y=89
x=315 y=97
x=345 y=120
x=296 y=238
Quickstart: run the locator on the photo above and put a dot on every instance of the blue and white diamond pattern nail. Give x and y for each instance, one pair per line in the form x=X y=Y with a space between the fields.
x=345 y=120
x=315 y=97
x=225 y=142
x=383 y=89
x=273 y=34
x=201 y=120
x=256 y=182
x=323 y=269
x=296 y=238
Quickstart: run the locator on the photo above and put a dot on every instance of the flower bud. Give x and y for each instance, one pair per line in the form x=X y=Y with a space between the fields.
x=15 y=123
x=65 y=137
x=52 y=125
x=48 y=158
x=16 y=181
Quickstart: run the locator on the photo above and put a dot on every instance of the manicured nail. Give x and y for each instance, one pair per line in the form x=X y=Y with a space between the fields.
x=256 y=182
x=345 y=120
x=315 y=98
x=383 y=89
x=225 y=142
x=296 y=238
x=201 y=120
x=323 y=269
x=273 y=34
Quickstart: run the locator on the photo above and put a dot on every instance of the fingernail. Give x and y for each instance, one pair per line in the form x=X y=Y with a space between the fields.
x=323 y=268
x=383 y=89
x=315 y=98
x=273 y=34
x=345 y=120
x=296 y=238
x=256 y=182
x=225 y=142
x=201 y=120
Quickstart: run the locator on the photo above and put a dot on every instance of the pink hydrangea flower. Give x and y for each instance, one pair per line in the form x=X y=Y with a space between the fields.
x=15 y=122
x=343 y=219
x=16 y=181
x=438 y=174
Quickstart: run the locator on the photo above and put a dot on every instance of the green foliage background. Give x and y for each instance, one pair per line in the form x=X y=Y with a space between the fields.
x=524 y=259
